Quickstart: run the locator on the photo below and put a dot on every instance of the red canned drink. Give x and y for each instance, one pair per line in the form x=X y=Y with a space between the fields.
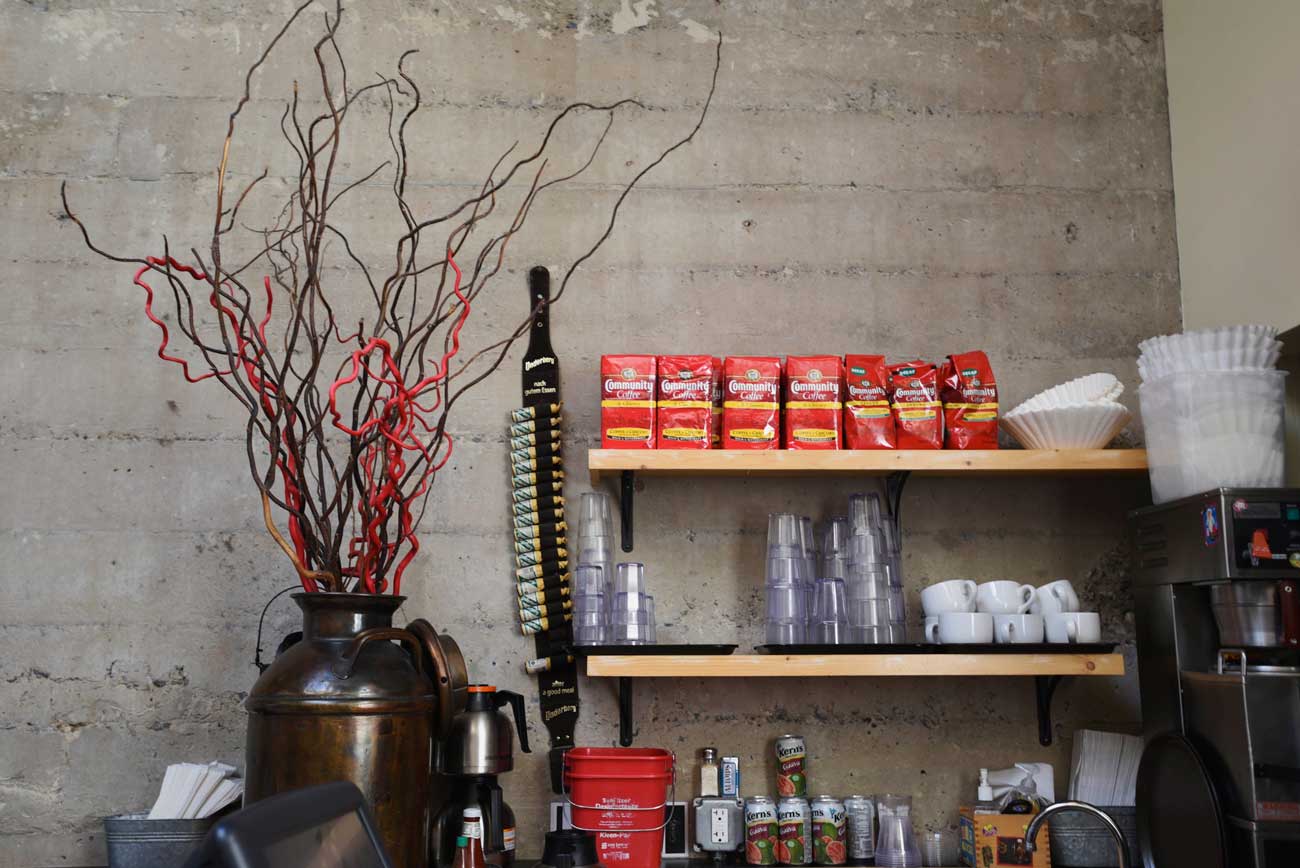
x=794 y=831
x=792 y=766
x=828 y=831
x=760 y=831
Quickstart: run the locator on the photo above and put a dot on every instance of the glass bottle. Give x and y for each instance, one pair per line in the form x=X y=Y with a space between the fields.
x=709 y=773
x=472 y=831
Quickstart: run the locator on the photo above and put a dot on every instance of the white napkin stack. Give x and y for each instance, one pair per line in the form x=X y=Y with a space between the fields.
x=192 y=791
x=1103 y=769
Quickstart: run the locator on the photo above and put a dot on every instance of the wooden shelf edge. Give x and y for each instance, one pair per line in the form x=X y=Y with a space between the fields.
x=852 y=665
x=943 y=462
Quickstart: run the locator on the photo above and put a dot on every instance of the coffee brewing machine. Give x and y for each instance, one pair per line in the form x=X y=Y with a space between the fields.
x=1217 y=586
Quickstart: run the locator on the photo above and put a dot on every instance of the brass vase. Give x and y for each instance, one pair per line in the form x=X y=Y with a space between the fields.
x=346 y=704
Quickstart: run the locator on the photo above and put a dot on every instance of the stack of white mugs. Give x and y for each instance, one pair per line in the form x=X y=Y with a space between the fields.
x=962 y=612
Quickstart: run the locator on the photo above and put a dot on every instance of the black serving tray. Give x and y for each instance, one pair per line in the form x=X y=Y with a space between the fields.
x=650 y=650
x=927 y=648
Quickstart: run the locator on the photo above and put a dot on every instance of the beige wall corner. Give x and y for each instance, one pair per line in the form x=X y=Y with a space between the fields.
x=1234 y=116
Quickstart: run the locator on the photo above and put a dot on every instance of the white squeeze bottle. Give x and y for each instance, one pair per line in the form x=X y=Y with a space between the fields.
x=985 y=803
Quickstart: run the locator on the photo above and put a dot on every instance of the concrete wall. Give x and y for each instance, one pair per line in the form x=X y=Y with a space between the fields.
x=1234 y=113
x=908 y=178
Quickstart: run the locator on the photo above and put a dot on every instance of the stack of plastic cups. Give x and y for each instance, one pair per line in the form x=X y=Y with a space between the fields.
x=787 y=580
x=590 y=606
x=596 y=537
x=896 y=843
x=632 y=614
x=867 y=584
x=808 y=544
x=830 y=621
x=834 y=538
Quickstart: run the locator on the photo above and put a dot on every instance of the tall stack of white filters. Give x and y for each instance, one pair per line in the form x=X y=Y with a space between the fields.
x=1213 y=409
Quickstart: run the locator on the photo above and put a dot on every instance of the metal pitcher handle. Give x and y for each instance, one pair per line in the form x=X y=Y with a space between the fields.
x=348 y=660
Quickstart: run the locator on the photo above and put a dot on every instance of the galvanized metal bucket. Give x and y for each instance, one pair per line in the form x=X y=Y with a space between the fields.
x=1080 y=841
x=134 y=841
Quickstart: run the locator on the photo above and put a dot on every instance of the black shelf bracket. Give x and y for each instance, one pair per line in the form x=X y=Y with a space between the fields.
x=894 y=484
x=625 y=711
x=626 y=488
x=1044 y=687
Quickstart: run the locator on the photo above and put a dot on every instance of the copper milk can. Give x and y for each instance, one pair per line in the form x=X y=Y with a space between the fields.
x=346 y=704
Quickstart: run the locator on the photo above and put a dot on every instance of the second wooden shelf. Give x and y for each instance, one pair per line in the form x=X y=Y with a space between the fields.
x=851 y=665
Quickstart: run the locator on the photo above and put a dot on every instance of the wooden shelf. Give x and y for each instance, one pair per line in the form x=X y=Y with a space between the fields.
x=851 y=665
x=922 y=462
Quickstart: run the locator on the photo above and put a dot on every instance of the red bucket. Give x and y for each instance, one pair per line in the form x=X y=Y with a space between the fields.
x=620 y=795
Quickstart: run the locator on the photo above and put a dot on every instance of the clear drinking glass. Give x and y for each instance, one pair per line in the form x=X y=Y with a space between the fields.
x=784 y=535
x=830 y=622
x=595 y=515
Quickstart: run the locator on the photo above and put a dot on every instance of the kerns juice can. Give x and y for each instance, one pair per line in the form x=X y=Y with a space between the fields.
x=760 y=831
x=828 y=831
x=860 y=819
x=791 y=766
x=794 y=831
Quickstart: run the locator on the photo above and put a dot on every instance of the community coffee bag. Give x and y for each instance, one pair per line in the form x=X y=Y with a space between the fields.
x=717 y=403
x=751 y=406
x=914 y=399
x=684 y=408
x=627 y=402
x=970 y=402
x=868 y=421
x=813 y=402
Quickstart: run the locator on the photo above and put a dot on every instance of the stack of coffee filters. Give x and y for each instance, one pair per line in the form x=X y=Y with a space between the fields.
x=789 y=579
x=874 y=582
x=1213 y=408
x=594 y=573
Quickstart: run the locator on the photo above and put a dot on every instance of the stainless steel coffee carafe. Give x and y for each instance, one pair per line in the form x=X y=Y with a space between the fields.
x=1257 y=614
x=480 y=746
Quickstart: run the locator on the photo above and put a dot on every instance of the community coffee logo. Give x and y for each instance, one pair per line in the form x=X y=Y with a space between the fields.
x=815 y=375
x=752 y=375
x=629 y=373
x=685 y=375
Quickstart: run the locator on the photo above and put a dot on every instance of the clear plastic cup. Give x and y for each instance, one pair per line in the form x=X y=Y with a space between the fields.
x=596 y=549
x=589 y=603
x=652 y=634
x=869 y=635
x=896 y=843
x=868 y=613
x=639 y=617
x=630 y=634
x=834 y=537
x=867 y=584
x=595 y=514
x=829 y=600
x=787 y=570
x=787 y=602
x=589 y=618
x=897 y=606
x=633 y=602
x=939 y=848
x=865 y=513
x=784 y=536
x=786 y=632
x=589 y=635
x=588 y=579
x=896 y=633
x=835 y=567
x=831 y=633
x=629 y=578
x=867 y=548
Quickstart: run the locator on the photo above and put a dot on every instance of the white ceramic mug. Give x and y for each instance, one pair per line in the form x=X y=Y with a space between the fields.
x=955 y=595
x=1004 y=598
x=965 y=628
x=1058 y=596
x=932 y=629
x=1073 y=627
x=1017 y=629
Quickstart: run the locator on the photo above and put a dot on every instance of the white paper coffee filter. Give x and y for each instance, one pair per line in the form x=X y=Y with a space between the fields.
x=1083 y=390
x=1078 y=426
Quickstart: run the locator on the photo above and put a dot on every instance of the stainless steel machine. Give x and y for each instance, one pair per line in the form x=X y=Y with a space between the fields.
x=1217 y=585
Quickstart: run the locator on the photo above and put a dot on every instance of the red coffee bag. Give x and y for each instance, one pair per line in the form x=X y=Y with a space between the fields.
x=751 y=407
x=914 y=399
x=627 y=402
x=717 y=403
x=970 y=402
x=813 y=402
x=868 y=421
x=684 y=407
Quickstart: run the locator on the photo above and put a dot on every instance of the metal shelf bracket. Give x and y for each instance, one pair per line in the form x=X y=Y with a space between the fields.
x=626 y=489
x=625 y=731
x=1044 y=687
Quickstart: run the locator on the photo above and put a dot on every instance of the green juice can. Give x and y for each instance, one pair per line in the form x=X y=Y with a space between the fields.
x=828 y=832
x=760 y=831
